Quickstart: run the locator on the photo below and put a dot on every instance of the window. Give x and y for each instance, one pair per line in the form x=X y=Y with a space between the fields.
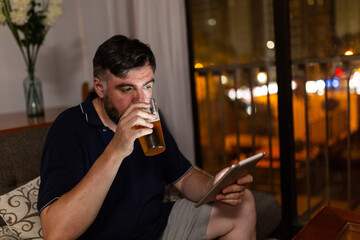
x=237 y=101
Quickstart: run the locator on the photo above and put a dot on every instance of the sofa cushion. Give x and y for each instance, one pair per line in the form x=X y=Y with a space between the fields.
x=18 y=210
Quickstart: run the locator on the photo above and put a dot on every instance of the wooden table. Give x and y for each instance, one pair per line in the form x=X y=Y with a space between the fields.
x=330 y=224
x=13 y=122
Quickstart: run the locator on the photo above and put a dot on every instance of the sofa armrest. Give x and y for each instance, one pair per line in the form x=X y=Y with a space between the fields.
x=268 y=214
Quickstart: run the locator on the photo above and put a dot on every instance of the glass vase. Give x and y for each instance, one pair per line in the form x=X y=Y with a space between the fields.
x=33 y=96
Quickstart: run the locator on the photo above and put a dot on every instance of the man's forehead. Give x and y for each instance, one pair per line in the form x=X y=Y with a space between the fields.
x=144 y=71
x=135 y=76
x=132 y=82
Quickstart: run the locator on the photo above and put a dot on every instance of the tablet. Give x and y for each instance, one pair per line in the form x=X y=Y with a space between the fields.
x=235 y=172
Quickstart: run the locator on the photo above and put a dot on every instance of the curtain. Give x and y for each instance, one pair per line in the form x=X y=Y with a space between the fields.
x=162 y=24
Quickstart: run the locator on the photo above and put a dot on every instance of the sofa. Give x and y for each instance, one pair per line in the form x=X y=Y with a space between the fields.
x=20 y=154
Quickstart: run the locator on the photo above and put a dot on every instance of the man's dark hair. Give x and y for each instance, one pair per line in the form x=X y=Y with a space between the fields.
x=119 y=55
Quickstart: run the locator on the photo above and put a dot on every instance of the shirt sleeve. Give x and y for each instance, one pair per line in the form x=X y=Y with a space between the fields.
x=176 y=165
x=62 y=163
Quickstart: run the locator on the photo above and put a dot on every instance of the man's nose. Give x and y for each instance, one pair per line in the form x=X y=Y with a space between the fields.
x=139 y=95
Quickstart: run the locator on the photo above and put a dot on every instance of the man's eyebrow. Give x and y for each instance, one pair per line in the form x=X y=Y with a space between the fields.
x=150 y=81
x=121 y=85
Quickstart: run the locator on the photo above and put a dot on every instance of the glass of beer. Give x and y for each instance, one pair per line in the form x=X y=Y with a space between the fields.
x=153 y=143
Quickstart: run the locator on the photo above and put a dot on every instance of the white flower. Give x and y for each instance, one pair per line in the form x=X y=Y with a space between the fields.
x=21 y=5
x=53 y=12
x=19 y=17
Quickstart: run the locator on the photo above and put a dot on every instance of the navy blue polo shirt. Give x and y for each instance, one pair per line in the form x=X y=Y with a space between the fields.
x=133 y=207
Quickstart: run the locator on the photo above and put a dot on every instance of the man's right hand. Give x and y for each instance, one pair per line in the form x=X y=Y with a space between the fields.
x=127 y=132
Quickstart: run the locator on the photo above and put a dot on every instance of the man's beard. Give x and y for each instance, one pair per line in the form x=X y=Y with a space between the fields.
x=112 y=113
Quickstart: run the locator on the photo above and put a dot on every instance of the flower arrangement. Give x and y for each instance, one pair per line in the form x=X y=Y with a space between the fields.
x=29 y=21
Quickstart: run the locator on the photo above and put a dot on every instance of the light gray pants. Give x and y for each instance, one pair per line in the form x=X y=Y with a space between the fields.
x=187 y=222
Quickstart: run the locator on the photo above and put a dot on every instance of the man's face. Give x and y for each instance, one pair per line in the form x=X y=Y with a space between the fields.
x=122 y=92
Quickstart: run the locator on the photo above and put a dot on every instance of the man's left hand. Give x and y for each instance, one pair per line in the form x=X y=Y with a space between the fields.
x=233 y=194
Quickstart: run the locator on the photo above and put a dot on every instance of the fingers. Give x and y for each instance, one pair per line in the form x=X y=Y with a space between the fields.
x=245 y=180
x=236 y=187
x=232 y=198
x=233 y=188
x=134 y=123
x=135 y=115
x=138 y=108
x=141 y=132
x=136 y=118
x=233 y=194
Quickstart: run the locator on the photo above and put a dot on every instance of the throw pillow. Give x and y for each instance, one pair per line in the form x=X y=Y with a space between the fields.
x=18 y=210
x=6 y=234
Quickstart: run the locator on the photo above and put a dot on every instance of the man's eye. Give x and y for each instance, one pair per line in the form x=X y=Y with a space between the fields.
x=148 y=87
x=125 y=90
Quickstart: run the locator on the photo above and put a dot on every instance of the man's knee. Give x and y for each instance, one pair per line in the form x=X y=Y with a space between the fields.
x=245 y=210
x=239 y=220
x=249 y=202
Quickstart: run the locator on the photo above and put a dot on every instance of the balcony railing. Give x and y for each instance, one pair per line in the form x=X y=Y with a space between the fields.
x=238 y=116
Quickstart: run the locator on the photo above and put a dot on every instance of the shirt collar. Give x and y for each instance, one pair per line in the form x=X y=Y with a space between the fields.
x=89 y=111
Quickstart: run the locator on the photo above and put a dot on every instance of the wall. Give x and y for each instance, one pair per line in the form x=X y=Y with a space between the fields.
x=60 y=66
x=65 y=59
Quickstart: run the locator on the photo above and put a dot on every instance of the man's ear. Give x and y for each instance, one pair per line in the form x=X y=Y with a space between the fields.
x=98 y=87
